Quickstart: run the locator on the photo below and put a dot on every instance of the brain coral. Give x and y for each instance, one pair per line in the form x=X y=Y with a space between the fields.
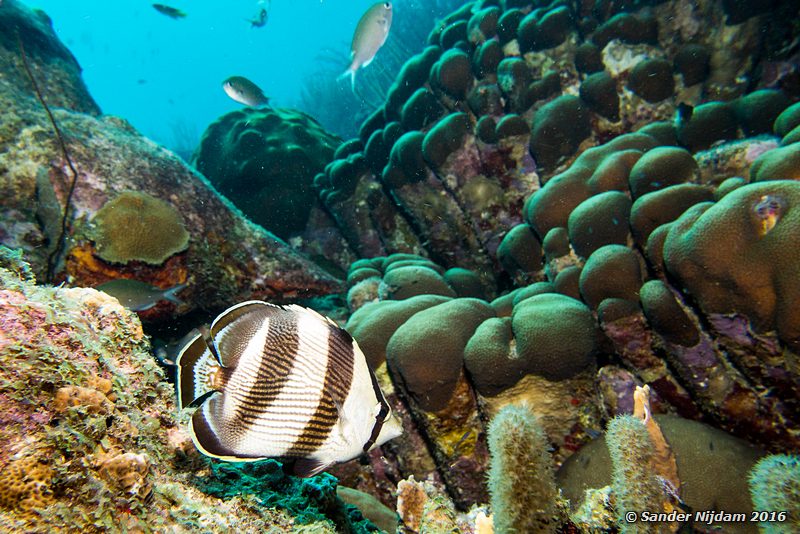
x=264 y=161
x=137 y=226
x=755 y=273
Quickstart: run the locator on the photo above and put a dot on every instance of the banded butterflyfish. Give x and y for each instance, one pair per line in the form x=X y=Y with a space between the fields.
x=281 y=382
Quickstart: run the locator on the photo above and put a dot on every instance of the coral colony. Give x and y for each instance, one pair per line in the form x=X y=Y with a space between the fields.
x=565 y=242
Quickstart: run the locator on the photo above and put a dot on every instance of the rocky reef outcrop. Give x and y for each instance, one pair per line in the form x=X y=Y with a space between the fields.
x=92 y=440
x=55 y=187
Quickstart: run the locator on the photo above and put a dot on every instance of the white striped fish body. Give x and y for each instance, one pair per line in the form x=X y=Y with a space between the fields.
x=281 y=382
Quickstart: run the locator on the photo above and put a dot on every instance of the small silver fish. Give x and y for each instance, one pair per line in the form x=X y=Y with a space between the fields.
x=281 y=382
x=139 y=296
x=261 y=16
x=259 y=19
x=244 y=91
x=169 y=11
x=371 y=32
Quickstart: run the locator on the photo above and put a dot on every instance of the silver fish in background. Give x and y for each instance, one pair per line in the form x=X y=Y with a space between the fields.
x=259 y=20
x=138 y=296
x=169 y=11
x=371 y=32
x=281 y=382
x=244 y=91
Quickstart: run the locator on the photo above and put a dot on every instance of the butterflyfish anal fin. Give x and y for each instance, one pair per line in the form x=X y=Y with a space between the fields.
x=308 y=467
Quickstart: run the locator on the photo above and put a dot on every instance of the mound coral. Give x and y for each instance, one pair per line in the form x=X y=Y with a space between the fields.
x=755 y=222
x=251 y=154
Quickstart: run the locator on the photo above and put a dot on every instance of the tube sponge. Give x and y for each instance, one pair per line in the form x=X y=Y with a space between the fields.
x=635 y=485
x=775 y=485
x=522 y=485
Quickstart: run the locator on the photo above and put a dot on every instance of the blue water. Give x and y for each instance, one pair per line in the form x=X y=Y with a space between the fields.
x=165 y=75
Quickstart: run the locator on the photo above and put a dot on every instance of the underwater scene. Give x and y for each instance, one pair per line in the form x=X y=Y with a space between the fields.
x=421 y=266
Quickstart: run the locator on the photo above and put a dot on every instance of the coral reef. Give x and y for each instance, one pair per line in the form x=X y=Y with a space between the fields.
x=92 y=441
x=584 y=162
x=586 y=208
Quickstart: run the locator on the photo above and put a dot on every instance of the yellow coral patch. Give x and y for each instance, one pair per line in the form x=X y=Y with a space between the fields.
x=25 y=484
x=137 y=226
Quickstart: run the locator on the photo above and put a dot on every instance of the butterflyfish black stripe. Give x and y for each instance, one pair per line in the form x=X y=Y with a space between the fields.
x=281 y=345
x=206 y=439
x=337 y=383
x=236 y=327
x=186 y=361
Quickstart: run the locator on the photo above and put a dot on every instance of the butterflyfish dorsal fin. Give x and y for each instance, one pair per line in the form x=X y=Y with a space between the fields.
x=236 y=327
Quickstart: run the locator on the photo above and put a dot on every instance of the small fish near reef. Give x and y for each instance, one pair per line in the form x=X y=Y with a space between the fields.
x=259 y=20
x=244 y=91
x=171 y=12
x=370 y=35
x=138 y=296
x=281 y=382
